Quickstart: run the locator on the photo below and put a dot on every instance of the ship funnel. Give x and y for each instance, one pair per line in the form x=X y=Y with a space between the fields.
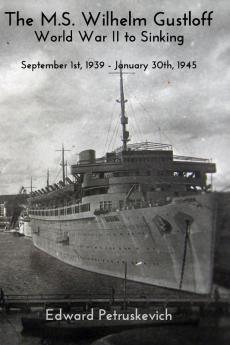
x=87 y=157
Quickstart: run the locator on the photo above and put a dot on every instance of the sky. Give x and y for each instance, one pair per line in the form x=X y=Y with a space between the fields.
x=42 y=109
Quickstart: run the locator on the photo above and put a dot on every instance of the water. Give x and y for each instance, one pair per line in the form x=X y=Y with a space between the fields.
x=27 y=270
x=172 y=335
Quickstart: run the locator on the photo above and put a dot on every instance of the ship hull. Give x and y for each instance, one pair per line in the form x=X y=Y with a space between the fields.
x=170 y=246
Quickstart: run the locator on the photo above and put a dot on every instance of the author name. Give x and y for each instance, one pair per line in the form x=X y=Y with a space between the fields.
x=103 y=314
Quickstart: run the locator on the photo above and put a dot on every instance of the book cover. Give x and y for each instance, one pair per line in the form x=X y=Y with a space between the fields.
x=114 y=183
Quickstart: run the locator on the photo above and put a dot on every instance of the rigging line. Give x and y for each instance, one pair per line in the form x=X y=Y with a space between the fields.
x=57 y=174
x=154 y=122
x=133 y=136
x=141 y=134
x=110 y=126
x=169 y=139
x=145 y=110
x=112 y=143
x=112 y=138
x=138 y=129
x=115 y=136
x=135 y=123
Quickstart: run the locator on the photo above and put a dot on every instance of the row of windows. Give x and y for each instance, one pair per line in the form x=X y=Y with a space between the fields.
x=61 y=211
x=184 y=174
x=106 y=205
x=147 y=159
x=142 y=173
x=1 y=210
x=98 y=234
x=115 y=248
x=121 y=262
x=108 y=261
x=138 y=203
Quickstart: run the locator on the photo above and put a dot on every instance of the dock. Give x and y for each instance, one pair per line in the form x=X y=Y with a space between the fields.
x=85 y=301
x=185 y=309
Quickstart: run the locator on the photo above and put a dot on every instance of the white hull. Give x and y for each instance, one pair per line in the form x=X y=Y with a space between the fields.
x=25 y=228
x=154 y=253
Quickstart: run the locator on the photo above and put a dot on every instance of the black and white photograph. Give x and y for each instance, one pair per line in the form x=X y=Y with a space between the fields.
x=114 y=172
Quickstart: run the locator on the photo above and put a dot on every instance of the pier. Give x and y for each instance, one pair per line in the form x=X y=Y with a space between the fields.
x=85 y=301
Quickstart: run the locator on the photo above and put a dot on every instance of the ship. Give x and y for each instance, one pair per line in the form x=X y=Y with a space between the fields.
x=140 y=212
x=24 y=224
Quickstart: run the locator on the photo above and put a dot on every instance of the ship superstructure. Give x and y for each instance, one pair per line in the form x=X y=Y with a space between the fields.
x=139 y=208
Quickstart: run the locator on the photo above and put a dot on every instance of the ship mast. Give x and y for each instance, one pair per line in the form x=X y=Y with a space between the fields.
x=63 y=163
x=48 y=178
x=124 y=119
x=31 y=185
x=122 y=101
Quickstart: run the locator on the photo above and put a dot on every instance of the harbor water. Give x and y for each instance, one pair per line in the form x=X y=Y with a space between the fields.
x=26 y=270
